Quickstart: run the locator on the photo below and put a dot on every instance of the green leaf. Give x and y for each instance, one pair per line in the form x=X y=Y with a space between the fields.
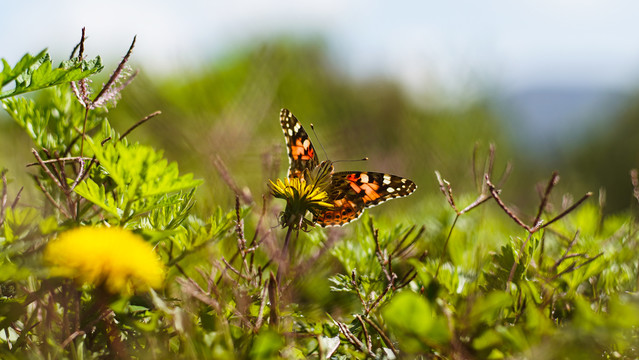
x=55 y=120
x=96 y=194
x=413 y=319
x=8 y=74
x=143 y=177
x=266 y=345
x=19 y=222
x=410 y=312
x=489 y=308
x=33 y=73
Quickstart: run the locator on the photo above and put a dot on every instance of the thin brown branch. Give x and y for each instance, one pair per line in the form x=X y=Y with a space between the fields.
x=567 y=211
x=379 y=298
x=359 y=294
x=70 y=158
x=86 y=172
x=384 y=263
x=116 y=73
x=15 y=201
x=50 y=198
x=237 y=272
x=68 y=148
x=446 y=189
x=84 y=128
x=574 y=267
x=63 y=173
x=140 y=122
x=239 y=225
x=68 y=340
x=381 y=333
x=404 y=238
x=554 y=179
x=127 y=82
x=352 y=338
x=80 y=175
x=400 y=252
x=369 y=345
x=482 y=198
x=495 y=193
x=192 y=288
x=565 y=254
x=80 y=46
x=408 y=277
x=45 y=168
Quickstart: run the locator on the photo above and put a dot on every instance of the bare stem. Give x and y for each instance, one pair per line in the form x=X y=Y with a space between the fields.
x=140 y=122
x=495 y=194
x=567 y=211
x=441 y=258
x=554 y=179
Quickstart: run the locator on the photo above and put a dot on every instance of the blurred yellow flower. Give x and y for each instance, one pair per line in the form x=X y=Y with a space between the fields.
x=115 y=258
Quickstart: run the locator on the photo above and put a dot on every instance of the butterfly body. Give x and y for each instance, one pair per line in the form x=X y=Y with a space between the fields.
x=349 y=192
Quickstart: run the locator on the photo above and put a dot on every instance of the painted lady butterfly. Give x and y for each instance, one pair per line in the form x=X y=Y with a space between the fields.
x=350 y=192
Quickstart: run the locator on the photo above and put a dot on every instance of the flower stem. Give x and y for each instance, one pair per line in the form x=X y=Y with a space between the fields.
x=284 y=257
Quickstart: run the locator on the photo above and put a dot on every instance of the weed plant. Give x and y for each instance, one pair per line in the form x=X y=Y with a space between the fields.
x=471 y=281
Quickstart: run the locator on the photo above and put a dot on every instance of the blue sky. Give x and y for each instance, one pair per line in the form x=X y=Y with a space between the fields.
x=511 y=44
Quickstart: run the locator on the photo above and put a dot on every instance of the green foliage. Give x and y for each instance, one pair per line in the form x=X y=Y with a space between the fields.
x=413 y=320
x=33 y=73
x=133 y=180
x=446 y=282
x=54 y=121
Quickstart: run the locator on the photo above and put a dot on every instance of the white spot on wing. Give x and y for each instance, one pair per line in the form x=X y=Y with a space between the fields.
x=387 y=179
x=364 y=177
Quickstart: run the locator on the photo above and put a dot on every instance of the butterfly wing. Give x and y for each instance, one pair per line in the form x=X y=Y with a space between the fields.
x=352 y=192
x=301 y=153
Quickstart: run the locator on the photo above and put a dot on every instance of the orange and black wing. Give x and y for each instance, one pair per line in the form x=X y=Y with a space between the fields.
x=301 y=153
x=352 y=192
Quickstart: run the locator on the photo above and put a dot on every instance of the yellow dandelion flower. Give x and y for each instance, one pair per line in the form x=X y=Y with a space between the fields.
x=115 y=258
x=300 y=196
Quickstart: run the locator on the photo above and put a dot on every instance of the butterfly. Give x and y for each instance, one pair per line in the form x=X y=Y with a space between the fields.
x=350 y=192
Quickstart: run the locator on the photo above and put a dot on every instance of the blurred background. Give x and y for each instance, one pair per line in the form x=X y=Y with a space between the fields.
x=415 y=86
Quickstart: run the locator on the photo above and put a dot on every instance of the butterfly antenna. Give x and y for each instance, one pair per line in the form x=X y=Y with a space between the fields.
x=318 y=141
x=362 y=159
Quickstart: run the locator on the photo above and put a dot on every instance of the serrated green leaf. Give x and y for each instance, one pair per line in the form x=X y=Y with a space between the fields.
x=19 y=222
x=8 y=74
x=96 y=194
x=33 y=73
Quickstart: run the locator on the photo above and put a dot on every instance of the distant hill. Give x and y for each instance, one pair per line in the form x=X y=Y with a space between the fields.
x=549 y=119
